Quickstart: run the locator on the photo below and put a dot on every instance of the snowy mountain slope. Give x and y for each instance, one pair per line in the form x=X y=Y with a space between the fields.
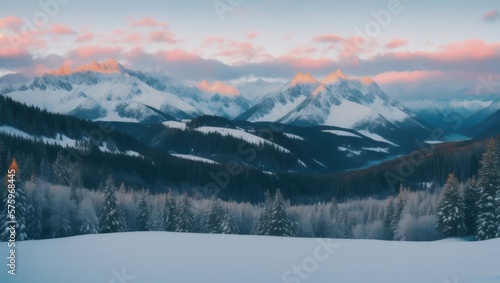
x=339 y=101
x=256 y=91
x=182 y=257
x=444 y=114
x=102 y=91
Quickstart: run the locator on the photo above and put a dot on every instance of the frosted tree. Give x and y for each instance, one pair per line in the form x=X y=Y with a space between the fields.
x=280 y=223
x=263 y=222
x=451 y=210
x=87 y=218
x=215 y=217
x=61 y=211
x=498 y=213
x=185 y=218
x=399 y=206
x=322 y=226
x=170 y=213
x=13 y=184
x=37 y=202
x=344 y=226
x=144 y=212
x=388 y=218
x=488 y=186
x=111 y=219
x=471 y=196
x=228 y=226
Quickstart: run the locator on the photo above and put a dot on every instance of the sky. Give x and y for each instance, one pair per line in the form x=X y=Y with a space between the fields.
x=413 y=49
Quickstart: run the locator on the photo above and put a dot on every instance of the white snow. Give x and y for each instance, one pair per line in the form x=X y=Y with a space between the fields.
x=175 y=125
x=433 y=142
x=64 y=142
x=377 y=149
x=159 y=257
x=292 y=136
x=356 y=152
x=376 y=137
x=347 y=114
x=239 y=134
x=279 y=111
x=319 y=163
x=341 y=133
x=194 y=158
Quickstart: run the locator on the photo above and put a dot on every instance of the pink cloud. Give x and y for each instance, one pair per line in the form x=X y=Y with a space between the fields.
x=413 y=77
x=13 y=23
x=149 y=22
x=328 y=38
x=86 y=37
x=218 y=87
x=162 y=37
x=134 y=38
x=491 y=16
x=252 y=35
x=179 y=55
x=396 y=43
x=89 y=53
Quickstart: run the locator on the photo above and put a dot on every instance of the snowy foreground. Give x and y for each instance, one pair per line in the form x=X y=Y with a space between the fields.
x=150 y=257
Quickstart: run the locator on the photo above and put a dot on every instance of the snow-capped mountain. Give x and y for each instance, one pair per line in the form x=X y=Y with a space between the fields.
x=339 y=101
x=104 y=91
x=445 y=114
x=11 y=82
x=255 y=91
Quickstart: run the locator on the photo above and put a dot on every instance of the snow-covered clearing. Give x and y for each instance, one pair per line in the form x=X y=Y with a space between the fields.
x=161 y=257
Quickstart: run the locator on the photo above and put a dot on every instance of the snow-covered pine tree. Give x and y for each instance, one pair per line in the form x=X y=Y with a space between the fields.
x=344 y=226
x=36 y=199
x=322 y=226
x=488 y=186
x=111 y=220
x=498 y=213
x=388 y=218
x=451 y=210
x=398 y=209
x=263 y=221
x=185 y=218
x=215 y=217
x=19 y=202
x=280 y=223
x=170 y=213
x=471 y=196
x=87 y=218
x=228 y=226
x=144 y=212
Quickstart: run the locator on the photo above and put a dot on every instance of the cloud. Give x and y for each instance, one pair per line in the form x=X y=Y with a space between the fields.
x=396 y=43
x=252 y=35
x=162 y=37
x=491 y=16
x=83 y=55
x=84 y=38
x=218 y=87
x=149 y=22
x=328 y=38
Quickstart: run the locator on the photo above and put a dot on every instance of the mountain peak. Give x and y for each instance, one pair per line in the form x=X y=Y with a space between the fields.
x=366 y=80
x=334 y=77
x=218 y=87
x=110 y=66
x=303 y=78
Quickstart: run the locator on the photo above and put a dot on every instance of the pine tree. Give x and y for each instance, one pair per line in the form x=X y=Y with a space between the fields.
x=280 y=223
x=263 y=222
x=322 y=227
x=144 y=212
x=471 y=196
x=215 y=217
x=451 y=210
x=37 y=202
x=388 y=218
x=170 y=214
x=488 y=186
x=344 y=226
x=185 y=218
x=111 y=219
x=498 y=213
x=227 y=225
x=13 y=187
x=398 y=209
x=87 y=218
